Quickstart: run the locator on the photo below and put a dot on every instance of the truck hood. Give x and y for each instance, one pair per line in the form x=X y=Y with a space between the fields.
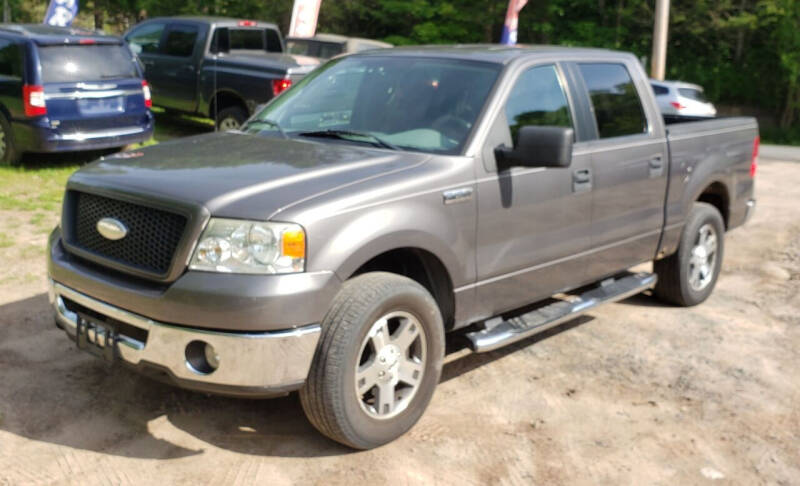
x=239 y=175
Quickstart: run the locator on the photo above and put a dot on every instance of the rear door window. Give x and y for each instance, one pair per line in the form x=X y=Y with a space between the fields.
x=146 y=39
x=75 y=63
x=180 y=40
x=617 y=107
x=537 y=99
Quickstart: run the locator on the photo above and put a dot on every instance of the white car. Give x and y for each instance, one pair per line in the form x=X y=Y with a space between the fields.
x=676 y=98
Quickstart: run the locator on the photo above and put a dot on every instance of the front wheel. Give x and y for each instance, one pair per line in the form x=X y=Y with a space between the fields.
x=688 y=276
x=378 y=361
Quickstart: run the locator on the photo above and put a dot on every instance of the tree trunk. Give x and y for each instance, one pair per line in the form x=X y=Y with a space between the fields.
x=740 y=35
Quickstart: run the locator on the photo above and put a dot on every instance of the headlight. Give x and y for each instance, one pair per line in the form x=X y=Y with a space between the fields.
x=239 y=246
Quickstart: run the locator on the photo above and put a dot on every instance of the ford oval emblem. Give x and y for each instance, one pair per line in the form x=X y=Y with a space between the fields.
x=111 y=229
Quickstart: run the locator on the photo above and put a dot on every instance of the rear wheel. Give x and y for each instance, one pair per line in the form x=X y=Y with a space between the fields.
x=8 y=152
x=688 y=276
x=378 y=361
x=231 y=118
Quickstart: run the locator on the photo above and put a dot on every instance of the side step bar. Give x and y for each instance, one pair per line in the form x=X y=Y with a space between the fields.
x=551 y=315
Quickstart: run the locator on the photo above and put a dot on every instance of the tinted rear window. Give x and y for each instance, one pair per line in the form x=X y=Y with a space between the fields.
x=617 y=107
x=64 y=64
x=227 y=39
x=693 y=94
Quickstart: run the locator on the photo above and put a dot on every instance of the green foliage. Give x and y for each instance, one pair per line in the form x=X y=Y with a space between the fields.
x=744 y=52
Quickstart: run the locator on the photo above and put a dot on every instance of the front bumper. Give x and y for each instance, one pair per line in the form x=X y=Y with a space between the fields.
x=259 y=364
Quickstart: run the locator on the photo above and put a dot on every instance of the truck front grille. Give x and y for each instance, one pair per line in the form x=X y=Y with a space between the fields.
x=151 y=240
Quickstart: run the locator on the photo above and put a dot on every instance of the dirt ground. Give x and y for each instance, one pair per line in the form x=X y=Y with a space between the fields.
x=633 y=393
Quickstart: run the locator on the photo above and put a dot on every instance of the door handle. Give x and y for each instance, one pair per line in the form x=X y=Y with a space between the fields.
x=656 y=166
x=582 y=180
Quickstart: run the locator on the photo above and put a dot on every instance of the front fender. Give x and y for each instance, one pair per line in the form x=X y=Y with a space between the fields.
x=349 y=240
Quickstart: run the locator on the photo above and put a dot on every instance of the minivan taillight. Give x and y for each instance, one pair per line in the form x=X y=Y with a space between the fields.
x=280 y=85
x=754 y=159
x=33 y=99
x=148 y=99
x=677 y=105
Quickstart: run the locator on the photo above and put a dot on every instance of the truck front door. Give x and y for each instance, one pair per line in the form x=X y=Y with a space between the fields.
x=533 y=223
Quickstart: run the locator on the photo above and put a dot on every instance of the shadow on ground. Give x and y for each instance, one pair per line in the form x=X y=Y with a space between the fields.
x=53 y=392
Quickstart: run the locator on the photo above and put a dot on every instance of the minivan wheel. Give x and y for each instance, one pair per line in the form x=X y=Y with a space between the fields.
x=688 y=276
x=231 y=118
x=8 y=153
x=377 y=363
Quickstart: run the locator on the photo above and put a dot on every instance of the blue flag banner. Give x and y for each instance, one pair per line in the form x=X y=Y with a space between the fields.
x=512 y=19
x=61 y=12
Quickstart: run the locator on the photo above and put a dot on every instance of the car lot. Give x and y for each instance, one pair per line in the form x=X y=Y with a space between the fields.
x=635 y=392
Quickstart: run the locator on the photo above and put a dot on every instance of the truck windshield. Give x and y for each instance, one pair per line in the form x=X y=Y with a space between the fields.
x=419 y=104
x=75 y=63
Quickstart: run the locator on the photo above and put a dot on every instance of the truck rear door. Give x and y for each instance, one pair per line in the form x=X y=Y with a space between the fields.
x=629 y=165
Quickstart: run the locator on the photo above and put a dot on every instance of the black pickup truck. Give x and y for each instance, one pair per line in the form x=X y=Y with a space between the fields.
x=216 y=67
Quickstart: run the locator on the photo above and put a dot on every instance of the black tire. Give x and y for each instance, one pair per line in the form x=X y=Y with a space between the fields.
x=329 y=397
x=673 y=272
x=230 y=118
x=9 y=156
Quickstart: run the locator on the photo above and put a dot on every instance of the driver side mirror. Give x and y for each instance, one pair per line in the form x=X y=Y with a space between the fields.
x=538 y=146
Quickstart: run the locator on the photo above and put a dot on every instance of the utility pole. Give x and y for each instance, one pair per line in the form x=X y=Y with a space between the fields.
x=658 y=67
x=6 y=12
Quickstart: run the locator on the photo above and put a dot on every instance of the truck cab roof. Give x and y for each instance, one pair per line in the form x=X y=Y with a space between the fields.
x=48 y=34
x=496 y=53
x=220 y=21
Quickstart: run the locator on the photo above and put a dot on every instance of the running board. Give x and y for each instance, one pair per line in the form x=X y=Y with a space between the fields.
x=551 y=315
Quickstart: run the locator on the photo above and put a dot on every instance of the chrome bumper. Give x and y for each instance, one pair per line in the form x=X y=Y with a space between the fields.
x=253 y=362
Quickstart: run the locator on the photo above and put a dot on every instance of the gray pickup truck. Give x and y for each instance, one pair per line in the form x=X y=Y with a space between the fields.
x=385 y=200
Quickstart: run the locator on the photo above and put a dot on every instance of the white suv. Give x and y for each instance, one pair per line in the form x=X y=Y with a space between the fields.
x=682 y=99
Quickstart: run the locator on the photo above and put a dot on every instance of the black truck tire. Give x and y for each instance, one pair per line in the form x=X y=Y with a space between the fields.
x=333 y=396
x=9 y=156
x=682 y=277
x=231 y=118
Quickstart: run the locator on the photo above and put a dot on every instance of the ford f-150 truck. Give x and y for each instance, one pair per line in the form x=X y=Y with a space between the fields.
x=388 y=198
x=215 y=67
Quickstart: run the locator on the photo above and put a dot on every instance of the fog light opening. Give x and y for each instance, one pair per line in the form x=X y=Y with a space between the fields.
x=201 y=357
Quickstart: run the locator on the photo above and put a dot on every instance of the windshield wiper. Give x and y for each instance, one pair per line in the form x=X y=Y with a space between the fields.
x=267 y=121
x=348 y=134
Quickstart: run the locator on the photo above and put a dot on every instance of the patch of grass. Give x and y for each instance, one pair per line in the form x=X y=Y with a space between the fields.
x=6 y=241
x=33 y=252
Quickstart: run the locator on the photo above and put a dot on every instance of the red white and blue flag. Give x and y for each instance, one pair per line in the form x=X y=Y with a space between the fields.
x=512 y=19
x=61 y=12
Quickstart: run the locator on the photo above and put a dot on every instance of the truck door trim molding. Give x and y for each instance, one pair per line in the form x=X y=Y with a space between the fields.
x=596 y=146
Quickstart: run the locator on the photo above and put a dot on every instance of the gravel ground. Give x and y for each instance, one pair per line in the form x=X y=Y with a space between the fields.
x=633 y=393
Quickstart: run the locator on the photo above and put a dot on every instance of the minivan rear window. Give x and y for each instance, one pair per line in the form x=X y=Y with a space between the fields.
x=74 y=63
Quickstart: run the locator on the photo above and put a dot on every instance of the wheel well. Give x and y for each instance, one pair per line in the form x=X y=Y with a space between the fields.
x=424 y=268
x=223 y=100
x=716 y=195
